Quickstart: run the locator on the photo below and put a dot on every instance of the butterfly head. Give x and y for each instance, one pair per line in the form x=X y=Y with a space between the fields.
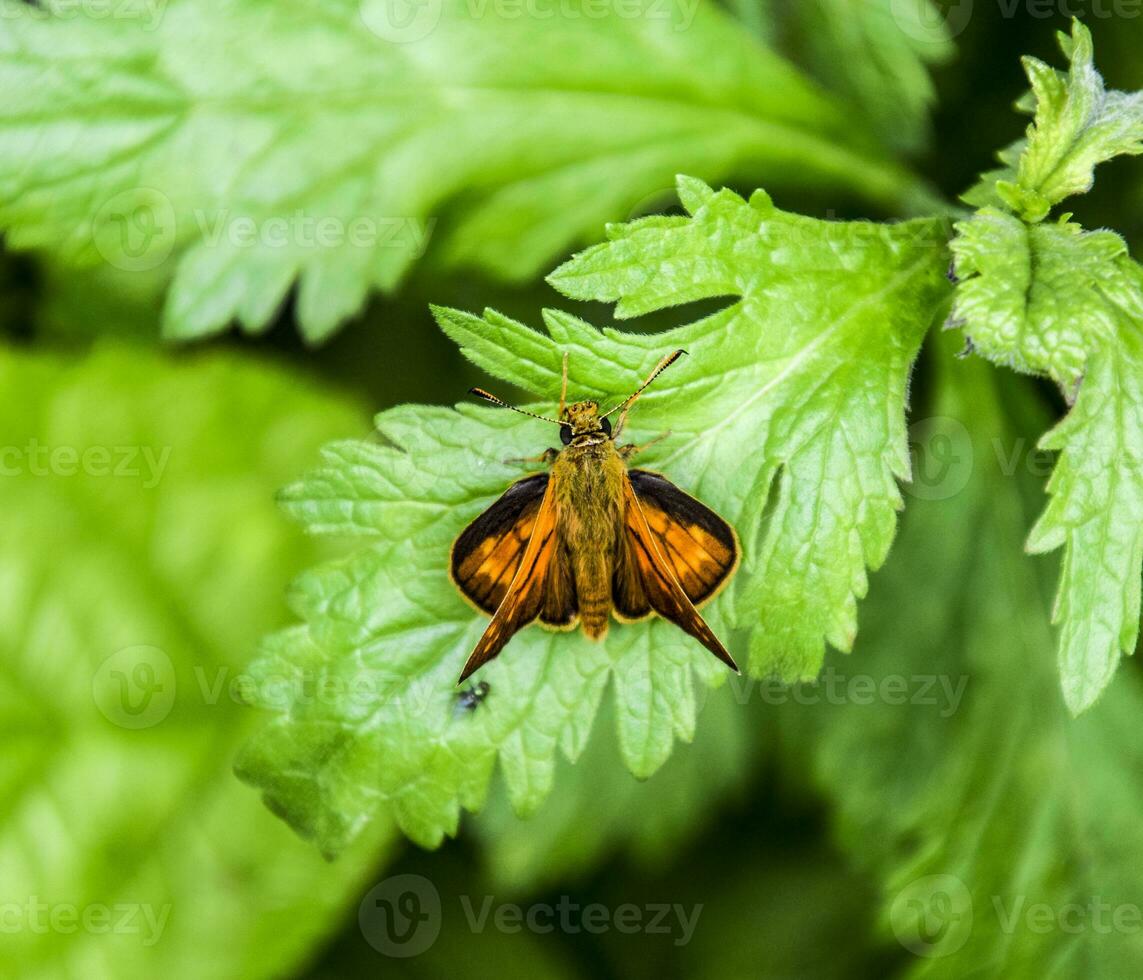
x=581 y=424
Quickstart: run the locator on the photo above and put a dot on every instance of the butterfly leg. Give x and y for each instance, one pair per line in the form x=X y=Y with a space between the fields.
x=548 y=456
x=630 y=450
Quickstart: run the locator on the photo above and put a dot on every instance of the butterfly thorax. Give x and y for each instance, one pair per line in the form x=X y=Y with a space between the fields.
x=588 y=484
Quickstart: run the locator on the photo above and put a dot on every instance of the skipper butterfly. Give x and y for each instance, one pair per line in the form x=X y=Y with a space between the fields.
x=590 y=538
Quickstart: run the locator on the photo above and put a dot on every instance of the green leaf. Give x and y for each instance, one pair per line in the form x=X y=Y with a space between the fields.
x=804 y=372
x=1096 y=513
x=1078 y=125
x=1054 y=300
x=248 y=145
x=1031 y=296
x=1005 y=832
x=142 y=558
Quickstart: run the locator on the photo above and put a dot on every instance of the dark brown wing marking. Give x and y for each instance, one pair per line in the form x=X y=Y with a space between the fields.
x=487 y=554
x=698 y=545
x=657 y=587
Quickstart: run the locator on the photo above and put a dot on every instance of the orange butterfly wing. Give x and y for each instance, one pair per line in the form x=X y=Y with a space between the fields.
x=698 y=545
x=672 y=539
x=531 y=581
x=487 y=554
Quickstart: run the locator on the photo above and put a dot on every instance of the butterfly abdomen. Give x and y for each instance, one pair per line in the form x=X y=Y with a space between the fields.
x=593 y=591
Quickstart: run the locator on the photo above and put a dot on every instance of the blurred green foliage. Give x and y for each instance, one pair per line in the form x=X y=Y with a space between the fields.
x=984 y=833
x=142 y=558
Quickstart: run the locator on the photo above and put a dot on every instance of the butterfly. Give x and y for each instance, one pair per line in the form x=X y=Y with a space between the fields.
x=590 y=538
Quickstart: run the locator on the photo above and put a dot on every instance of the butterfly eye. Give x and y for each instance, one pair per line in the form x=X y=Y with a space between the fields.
x=565 y=434
x=605 y=425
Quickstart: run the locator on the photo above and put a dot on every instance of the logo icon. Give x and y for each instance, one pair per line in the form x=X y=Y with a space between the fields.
x=401 y=916
x=662 y=201
x=940 y=450
x=928 y=22
x=932 y=916
x=135 y=230
x=135 y=687
x=401 y=21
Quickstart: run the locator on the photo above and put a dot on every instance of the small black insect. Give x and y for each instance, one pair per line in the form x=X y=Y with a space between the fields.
x=471 y=697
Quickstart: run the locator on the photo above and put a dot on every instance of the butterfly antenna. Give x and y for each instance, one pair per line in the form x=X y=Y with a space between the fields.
x=488 y=397
x=564 y=387
x=662 y=366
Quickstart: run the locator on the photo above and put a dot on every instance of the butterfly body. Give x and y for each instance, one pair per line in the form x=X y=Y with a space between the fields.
x=590 y=539
x=588 y=482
